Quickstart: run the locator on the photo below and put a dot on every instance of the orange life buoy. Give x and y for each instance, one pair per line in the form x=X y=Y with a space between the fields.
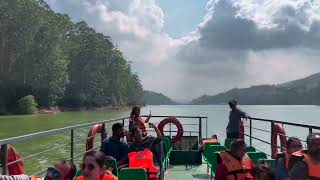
x=17 y=167
x=98 y=128
x=174 y=121
x=277 y=131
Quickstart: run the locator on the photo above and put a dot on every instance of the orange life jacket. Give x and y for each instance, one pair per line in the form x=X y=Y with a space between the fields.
x=140 y=123
x=237 y=170
x=313 y=169
x=143 y=159
x=212 y=140
x=104 y=177
x=34 y=178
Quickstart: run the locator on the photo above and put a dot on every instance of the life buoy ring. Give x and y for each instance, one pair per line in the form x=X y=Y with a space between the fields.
x=277 y=131
x=17 y=167
x=174 y=121
x=98 y=128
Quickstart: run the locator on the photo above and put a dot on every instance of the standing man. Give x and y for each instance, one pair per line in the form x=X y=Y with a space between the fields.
x=233 y=128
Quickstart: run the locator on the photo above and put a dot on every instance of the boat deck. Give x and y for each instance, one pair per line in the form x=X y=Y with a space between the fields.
x=183 y=172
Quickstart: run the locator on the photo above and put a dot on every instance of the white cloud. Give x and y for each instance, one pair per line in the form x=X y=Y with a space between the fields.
x=239 y=43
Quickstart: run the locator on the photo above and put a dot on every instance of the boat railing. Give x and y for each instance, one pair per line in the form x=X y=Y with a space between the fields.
x=250 y=128
x=74 y=140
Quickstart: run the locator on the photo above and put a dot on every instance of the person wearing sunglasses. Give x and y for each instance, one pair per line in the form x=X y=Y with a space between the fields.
x=93 y=167
x=62 y=170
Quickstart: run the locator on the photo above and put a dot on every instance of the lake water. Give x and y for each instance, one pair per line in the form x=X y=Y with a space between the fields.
x=217 y=120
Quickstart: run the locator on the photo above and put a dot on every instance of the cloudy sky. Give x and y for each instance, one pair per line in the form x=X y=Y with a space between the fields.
x=187 y=48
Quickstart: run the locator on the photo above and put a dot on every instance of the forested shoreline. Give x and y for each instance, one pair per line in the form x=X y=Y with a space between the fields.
x=60 y=63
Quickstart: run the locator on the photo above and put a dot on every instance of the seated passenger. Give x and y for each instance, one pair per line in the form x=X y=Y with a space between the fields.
x=264 y=172
x=62 y=170
x=309 y=167
x=235 y=164
x=152 y=143
x=93 y=167
x=286 y=162
x=136 y=120
x=114 y=147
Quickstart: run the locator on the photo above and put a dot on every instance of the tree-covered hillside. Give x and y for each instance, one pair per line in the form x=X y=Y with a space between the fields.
x=45 y=54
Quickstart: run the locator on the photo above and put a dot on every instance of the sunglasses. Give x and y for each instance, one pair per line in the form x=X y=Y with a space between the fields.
x=55 y=173
x=89 y=166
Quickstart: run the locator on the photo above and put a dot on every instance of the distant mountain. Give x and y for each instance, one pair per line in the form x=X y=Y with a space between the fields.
x=307 y=83
x=302 y=91
x=154 y=98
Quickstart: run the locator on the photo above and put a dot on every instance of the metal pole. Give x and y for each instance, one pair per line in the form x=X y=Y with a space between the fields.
x=170 y=130
x=123 y=121
x=272 y=131
x=250 y=132
x=310 y=130
x=71 y=145
x=190 y=142
x=200 y=129
x=4 y=149
x=206 y=126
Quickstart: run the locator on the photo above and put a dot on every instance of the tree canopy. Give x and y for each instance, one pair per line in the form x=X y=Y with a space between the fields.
x=45 y=54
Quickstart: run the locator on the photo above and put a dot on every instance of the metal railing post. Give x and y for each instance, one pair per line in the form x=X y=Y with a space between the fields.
x=200 y=129
x=272 y=131
x=310 y=130
x=71 y=145
x=170 y=130
x=4 y=149
x=250 y=132
x=206 y=126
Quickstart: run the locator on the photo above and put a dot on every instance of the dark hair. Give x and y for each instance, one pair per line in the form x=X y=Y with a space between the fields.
x=134 y=110
x=72 y=171
x=232 y=102
x=116 y=126
x=312 y=136
x=100 y=158
x=237 y=144
x=290 y=140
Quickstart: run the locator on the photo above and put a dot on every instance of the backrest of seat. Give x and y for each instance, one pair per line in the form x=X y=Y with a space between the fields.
x=211 y=150
x=255 y=156
x=250 y=149
x=132 y=173
x=78 y=173
x=227 y=142
x=114 y=165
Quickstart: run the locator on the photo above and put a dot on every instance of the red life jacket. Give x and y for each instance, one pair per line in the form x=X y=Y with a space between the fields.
x=143 y=159
x=313 y=169
x=237 y=170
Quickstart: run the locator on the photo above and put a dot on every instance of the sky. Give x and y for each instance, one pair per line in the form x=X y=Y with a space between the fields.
x=187 y=48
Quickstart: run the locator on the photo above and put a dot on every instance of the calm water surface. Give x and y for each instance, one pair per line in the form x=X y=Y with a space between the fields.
x=217 y=120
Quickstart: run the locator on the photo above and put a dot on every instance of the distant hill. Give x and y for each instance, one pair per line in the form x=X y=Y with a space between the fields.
x=302 y=91
x=307 y=83
x=154 y=98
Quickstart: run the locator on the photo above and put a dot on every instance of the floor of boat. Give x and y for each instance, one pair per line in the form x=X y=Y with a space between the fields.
x=183 y=172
